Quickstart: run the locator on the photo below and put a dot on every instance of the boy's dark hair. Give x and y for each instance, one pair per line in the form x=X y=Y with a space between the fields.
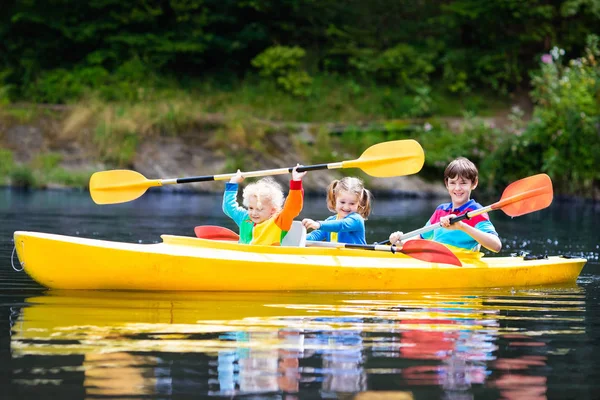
x=463 y=168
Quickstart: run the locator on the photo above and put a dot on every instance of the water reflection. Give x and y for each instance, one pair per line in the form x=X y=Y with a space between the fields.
x=273 y=344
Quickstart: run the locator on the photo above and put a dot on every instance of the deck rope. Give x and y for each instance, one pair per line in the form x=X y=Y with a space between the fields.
x=12 y=260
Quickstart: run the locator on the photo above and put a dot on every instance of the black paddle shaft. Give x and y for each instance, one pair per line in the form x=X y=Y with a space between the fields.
x=208 y=178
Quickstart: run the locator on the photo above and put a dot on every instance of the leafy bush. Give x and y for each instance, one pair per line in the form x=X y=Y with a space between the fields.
x=476 y=139
x=403 y=65
x=23 y=177
x=131 y=81
x=61 y=85
x=283 y=64
x=562 y=138
x=68 y=178
x=5 y=88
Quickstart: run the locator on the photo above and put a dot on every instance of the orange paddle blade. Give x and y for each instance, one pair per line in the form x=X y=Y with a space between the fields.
x=426 y=250
x=216 y=233
x=526 y=195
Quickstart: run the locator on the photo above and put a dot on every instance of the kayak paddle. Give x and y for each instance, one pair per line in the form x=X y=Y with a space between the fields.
x=215 y=233
x=387 y=159
x=424 y=250
x=519 y=198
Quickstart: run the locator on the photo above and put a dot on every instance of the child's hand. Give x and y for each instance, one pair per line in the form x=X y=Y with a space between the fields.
x=395 y=237
x=445 y=222
x=311 y=224
x=297 y=176
x=238 y=178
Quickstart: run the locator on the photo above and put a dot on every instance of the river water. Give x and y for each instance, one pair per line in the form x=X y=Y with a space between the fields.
x=511 y=343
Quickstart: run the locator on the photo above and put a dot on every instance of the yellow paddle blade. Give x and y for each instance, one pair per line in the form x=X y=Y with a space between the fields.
x=394 y=158
x=119 y=186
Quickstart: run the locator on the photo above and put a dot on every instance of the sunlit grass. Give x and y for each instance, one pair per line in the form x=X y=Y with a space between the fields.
x=237 y=119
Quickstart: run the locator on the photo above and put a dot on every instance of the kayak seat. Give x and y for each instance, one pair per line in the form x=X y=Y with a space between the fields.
x=296 y=236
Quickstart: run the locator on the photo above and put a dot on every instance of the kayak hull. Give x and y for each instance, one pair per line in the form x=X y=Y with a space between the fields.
x=192 y=264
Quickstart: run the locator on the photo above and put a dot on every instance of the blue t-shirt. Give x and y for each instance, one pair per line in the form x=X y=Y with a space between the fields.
x=350 y=229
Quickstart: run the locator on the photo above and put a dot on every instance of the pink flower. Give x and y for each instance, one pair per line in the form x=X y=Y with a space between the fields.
x=547 y=59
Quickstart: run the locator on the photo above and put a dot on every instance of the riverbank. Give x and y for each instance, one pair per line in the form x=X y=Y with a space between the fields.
x=182 y=135
x=61 y=146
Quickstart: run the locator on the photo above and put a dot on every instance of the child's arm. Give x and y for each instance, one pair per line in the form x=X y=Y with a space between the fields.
x=310 y=223
x=395 y=238
x=231 y=208
x=351 y=223
x=293 y=203
x=488 y=240
x=317 y=236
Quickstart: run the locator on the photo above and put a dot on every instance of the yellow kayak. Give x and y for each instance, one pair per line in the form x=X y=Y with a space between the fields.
x=193 y=264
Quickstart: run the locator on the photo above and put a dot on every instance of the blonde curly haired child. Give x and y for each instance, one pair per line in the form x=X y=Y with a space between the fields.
x=267 y=217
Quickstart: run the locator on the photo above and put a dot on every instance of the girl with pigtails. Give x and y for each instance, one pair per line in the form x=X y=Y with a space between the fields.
x=351 y=202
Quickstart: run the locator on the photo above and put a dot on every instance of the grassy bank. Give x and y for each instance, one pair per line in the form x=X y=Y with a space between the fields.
x=339 y=115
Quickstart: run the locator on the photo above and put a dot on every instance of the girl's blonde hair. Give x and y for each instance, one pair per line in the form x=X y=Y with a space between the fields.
x=266 y=190
x=353 y=186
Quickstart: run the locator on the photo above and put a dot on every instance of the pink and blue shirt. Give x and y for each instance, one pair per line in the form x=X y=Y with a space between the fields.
x=458 y=238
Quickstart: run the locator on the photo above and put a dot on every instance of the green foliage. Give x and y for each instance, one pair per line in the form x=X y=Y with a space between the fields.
x=573 y=7
x=562 y=138
x=403 y=65
x=567 y=119
x=5 y=88
x=116 y=146
x=283 y=64
x=46 y=161
x=335 y=98
x=132 y=81
x=7 y=162
x=319 y=61
x=61 y=85
x=323 y=150
x=296 y=82
x=68 y=178
x=22 y=176
x=42 y=171
x=455 y=76
x=20 y=114
x=124 y=49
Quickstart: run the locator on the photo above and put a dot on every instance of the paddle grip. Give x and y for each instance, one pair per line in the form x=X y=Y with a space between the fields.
x=456 y=219
x=315 y=167
x=191 y=179
x=370 y=247
x=359 y=246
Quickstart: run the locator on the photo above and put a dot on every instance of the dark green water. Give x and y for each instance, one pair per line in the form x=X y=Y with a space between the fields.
x=513 y=343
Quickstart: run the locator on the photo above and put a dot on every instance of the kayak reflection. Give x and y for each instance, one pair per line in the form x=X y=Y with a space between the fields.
x=316 y=344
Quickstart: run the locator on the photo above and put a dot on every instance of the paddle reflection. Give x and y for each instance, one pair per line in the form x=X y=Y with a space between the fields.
x=514 y=380
x=113 y=374
x=295 y=344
